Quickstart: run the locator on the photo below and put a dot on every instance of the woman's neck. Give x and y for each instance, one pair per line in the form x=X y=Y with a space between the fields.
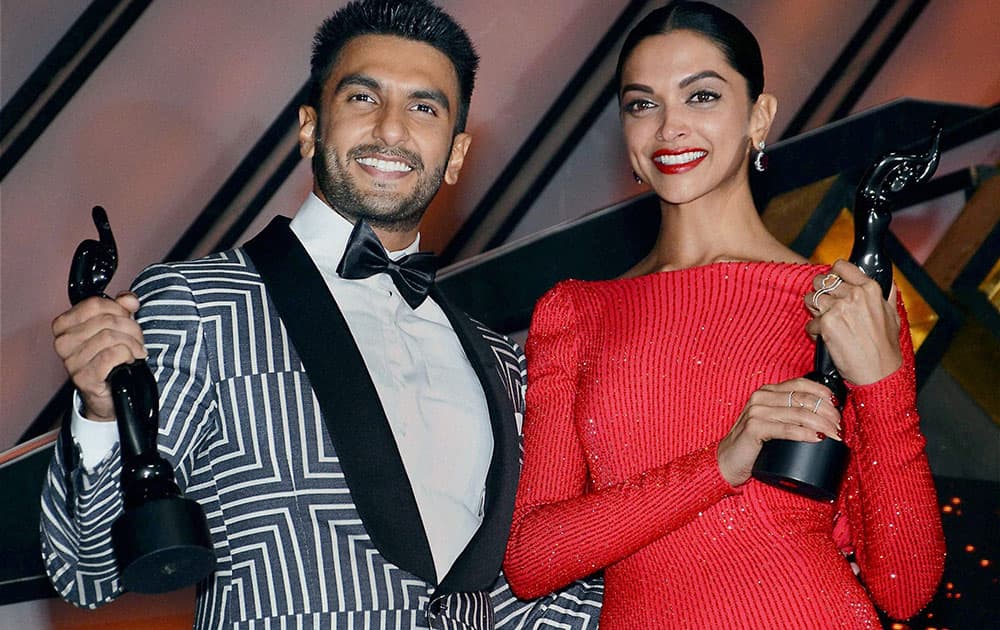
x=709 y=230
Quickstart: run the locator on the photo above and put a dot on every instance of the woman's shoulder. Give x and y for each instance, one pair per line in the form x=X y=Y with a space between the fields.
x=574 y=296
x=759 y=271
x=773 y=275
x=576 y=288
x=560 y=296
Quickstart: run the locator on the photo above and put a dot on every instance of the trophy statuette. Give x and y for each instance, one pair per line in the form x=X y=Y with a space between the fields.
x=161 y=540
x=815 y=469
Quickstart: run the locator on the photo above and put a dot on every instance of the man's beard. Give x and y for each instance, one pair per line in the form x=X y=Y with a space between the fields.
x=389 y=211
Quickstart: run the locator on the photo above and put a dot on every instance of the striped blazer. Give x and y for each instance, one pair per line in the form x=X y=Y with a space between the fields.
x=274 y=426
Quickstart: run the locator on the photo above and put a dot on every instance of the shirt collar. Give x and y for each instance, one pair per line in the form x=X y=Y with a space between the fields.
x=323 y=233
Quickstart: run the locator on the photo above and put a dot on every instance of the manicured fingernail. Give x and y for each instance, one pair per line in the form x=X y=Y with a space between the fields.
x=820 y=436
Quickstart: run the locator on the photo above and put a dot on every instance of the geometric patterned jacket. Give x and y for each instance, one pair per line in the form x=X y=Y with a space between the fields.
x=272 y=424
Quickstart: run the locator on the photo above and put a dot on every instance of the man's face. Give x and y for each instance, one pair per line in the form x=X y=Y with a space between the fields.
x=383 y=140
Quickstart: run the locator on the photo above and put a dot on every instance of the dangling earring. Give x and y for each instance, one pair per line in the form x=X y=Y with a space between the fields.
x=636 y=177
x=760 y=160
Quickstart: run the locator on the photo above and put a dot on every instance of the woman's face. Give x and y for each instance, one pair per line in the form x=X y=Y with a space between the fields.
x=687 y=118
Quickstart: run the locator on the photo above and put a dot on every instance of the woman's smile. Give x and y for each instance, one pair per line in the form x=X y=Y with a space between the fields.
x=673 y=162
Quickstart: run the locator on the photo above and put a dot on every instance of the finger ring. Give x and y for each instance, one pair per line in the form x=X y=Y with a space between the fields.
x=790 y=394
x=830 y=282
x=815 y=300
x=819 y=400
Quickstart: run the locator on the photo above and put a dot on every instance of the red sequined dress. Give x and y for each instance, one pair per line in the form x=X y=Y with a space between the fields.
x=632 y=384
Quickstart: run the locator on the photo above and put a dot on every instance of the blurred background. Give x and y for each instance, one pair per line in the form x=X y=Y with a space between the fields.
x=179 y=118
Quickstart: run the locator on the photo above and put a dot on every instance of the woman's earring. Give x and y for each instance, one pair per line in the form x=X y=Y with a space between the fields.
x=760 y=160
x=636 y=177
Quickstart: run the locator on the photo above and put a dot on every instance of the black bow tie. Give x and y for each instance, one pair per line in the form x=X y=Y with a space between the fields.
x=413 y=275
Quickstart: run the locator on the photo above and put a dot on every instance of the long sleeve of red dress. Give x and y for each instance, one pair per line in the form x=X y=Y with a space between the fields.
x=895 y=531
x=585 y=528
x=632 y=383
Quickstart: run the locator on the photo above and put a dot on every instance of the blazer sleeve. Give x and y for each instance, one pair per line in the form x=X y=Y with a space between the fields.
x=563 y=528
x=78 y=507
x=574 y=607
x=888 y=496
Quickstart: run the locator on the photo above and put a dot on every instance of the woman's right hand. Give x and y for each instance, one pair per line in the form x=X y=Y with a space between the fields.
x=798 y=409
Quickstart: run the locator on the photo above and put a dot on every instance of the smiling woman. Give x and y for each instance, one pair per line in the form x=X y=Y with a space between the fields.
x=684 y=106
x=649 y=396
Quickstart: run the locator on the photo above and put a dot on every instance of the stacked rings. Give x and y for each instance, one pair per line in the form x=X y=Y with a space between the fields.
x=830 y=282
x=819 y=401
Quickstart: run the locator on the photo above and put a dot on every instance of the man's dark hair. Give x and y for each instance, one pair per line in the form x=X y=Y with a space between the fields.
x=417 y=20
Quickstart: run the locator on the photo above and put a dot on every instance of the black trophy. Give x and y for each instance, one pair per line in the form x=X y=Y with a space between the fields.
x=814 y=469
x=161 y=541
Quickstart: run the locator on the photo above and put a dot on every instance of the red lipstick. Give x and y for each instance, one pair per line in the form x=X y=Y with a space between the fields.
x=673 y=162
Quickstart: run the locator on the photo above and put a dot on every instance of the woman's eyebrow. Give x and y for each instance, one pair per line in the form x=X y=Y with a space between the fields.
x=704 y=74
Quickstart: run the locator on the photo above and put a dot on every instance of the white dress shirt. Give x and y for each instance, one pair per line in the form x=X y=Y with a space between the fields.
x=432 y=398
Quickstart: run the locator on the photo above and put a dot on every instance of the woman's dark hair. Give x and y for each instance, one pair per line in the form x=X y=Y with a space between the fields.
x=417 y=20
x=733 y=38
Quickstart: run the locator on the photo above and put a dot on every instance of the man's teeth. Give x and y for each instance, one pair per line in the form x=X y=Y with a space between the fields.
x=386 y=165
x=680 y=158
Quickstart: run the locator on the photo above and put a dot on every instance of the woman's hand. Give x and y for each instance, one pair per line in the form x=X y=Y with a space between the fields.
x=798 y=409
x=859 y=328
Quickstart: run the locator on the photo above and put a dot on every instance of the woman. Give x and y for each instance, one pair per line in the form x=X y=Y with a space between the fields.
x=649 y=396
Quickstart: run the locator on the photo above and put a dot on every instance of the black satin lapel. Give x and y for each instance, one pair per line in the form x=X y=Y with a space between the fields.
x=479 y=563
x=354 y=417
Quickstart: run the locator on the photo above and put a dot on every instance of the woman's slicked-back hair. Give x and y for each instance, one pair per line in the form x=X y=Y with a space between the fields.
x=733 y=38
x=417 y=20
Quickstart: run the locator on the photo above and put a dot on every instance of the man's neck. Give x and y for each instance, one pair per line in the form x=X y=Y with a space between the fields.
x=392 y=240
x=395 y=241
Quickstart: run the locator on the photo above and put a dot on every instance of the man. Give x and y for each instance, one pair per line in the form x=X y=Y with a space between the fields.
x=353 y=442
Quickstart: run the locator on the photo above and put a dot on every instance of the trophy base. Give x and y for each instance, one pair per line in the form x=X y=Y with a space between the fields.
x=812 y=469
x=163 y=545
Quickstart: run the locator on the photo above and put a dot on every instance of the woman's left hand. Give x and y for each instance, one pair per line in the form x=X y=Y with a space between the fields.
x=860 y=329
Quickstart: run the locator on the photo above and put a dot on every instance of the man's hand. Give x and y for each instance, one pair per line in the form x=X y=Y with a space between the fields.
x=93 y=338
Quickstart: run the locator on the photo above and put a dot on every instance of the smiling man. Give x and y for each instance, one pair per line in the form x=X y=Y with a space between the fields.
x=353 y=438
x=391 y=130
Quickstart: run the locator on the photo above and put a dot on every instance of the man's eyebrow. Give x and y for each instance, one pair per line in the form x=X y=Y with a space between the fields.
x=361 y=80
x=704 y=74
x=365 y=81
x=436 y=96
